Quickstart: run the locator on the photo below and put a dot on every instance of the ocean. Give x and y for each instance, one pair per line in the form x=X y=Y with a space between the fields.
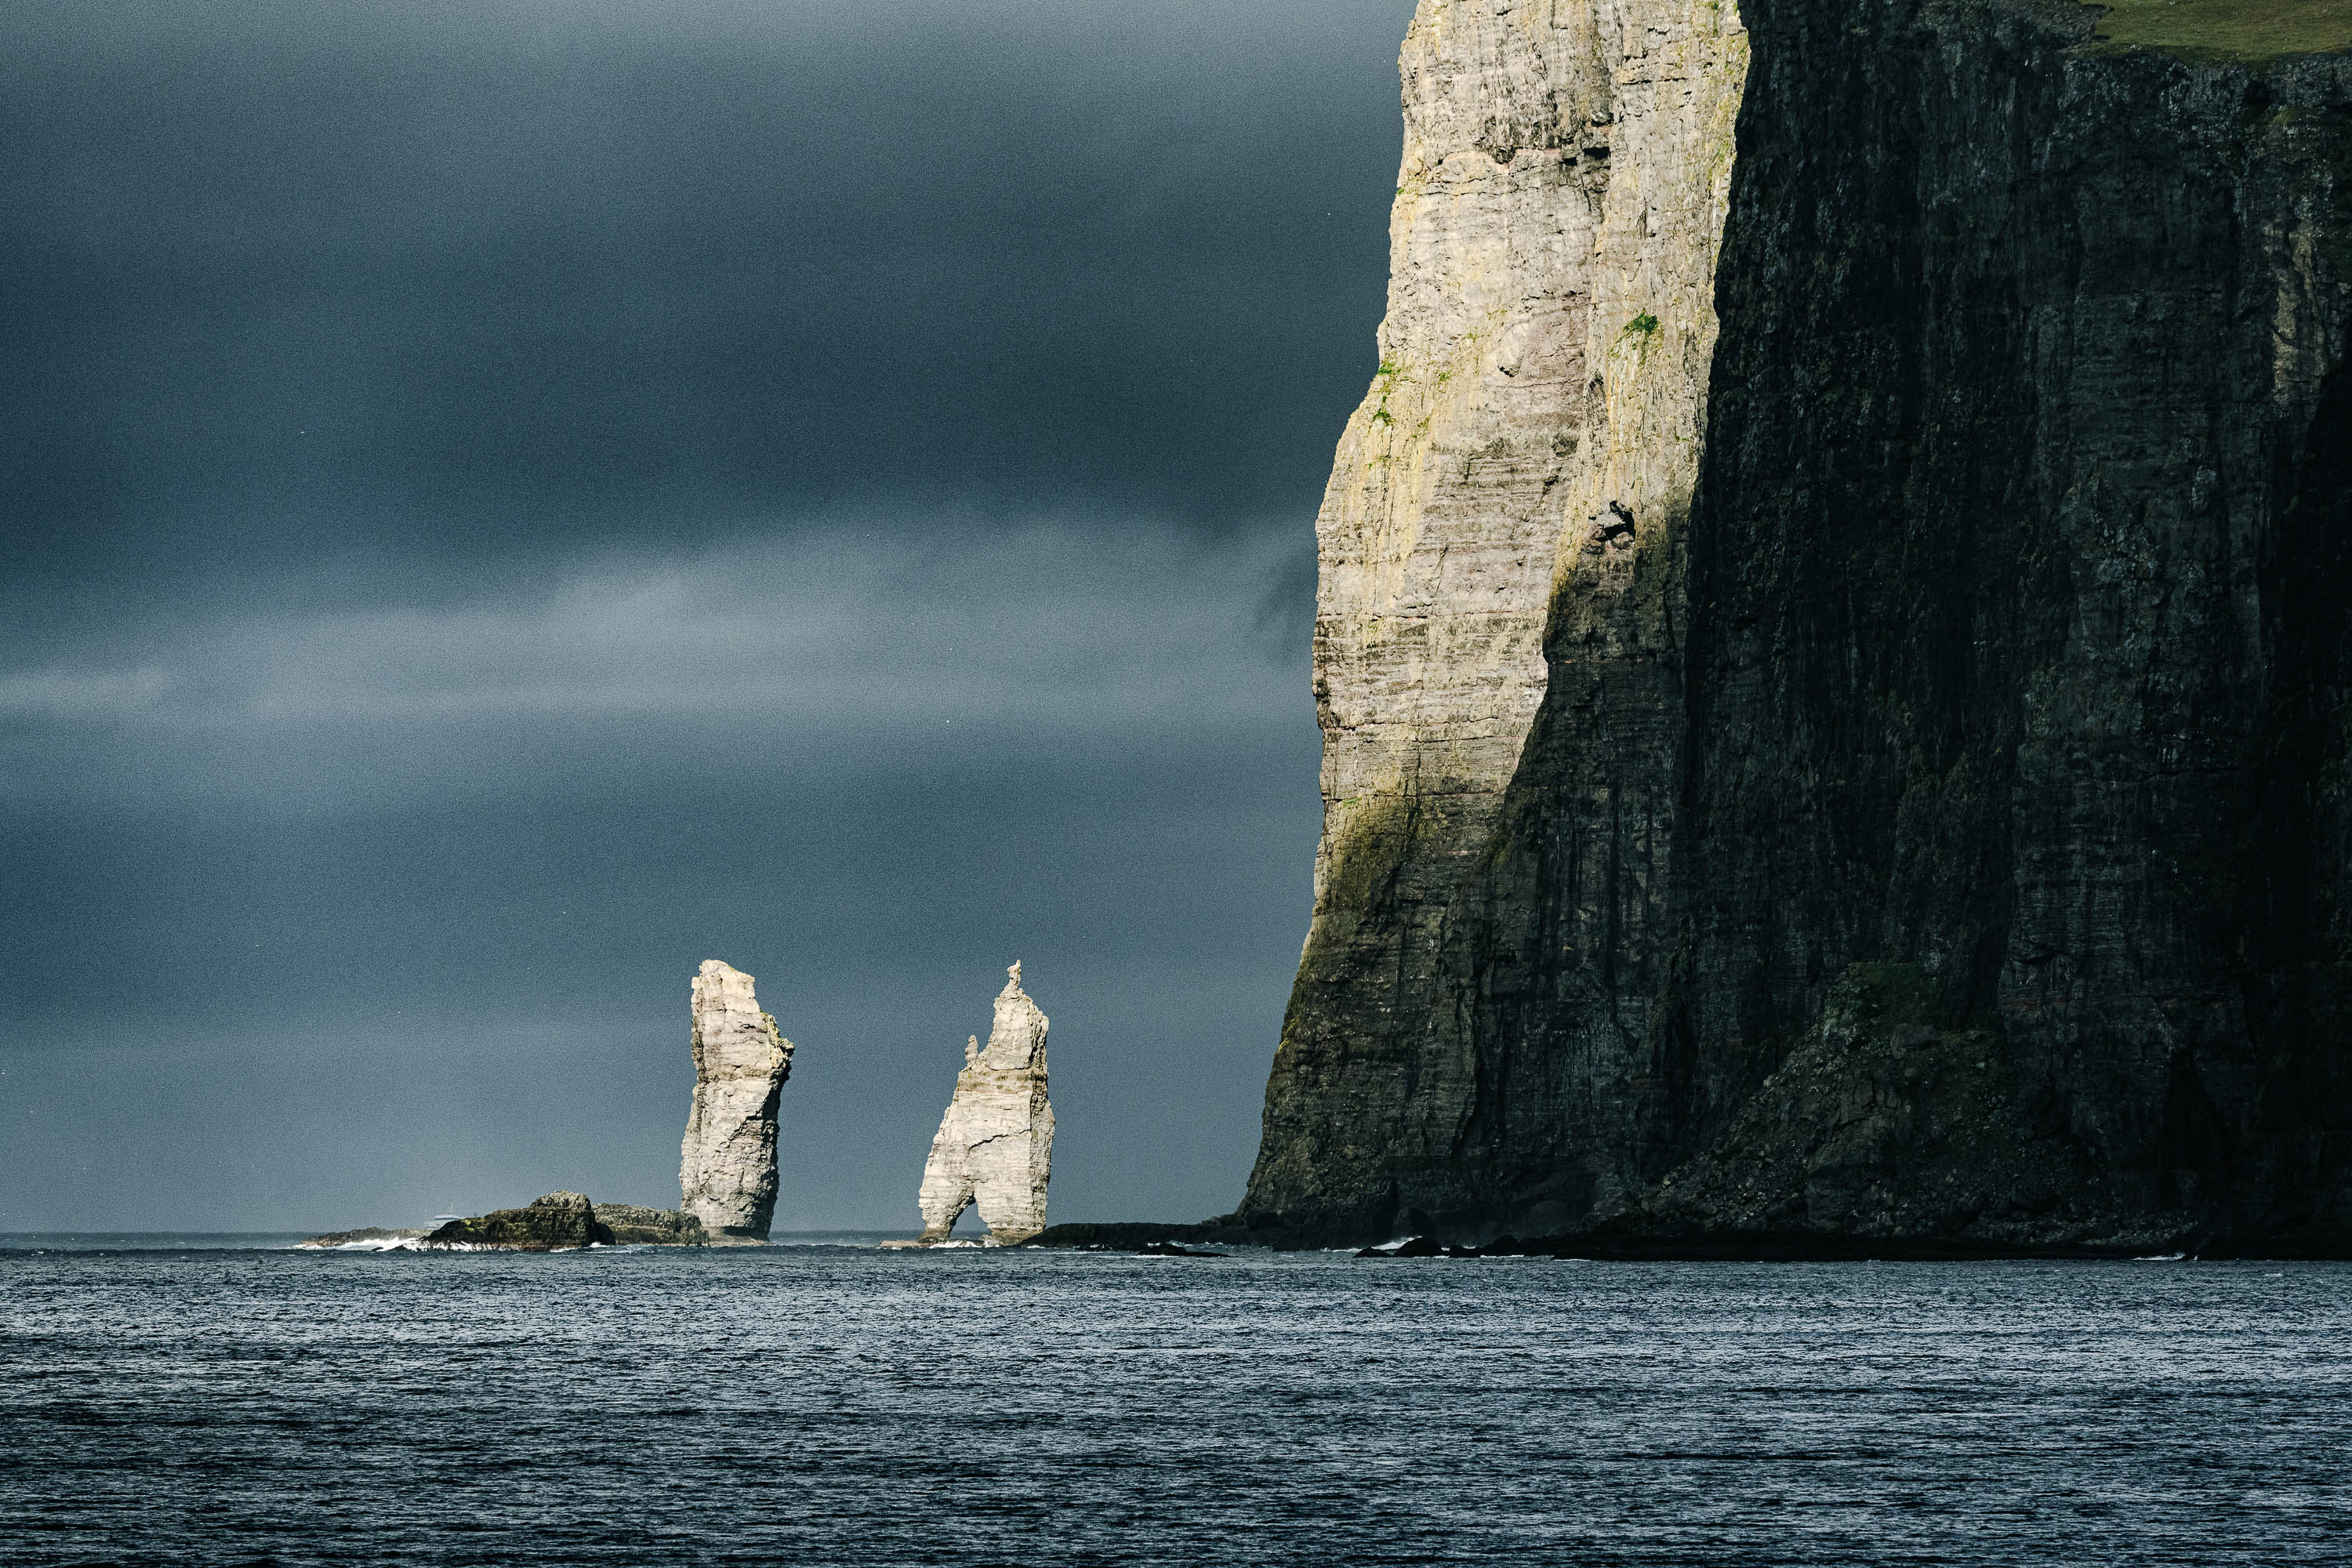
x=230 y=1401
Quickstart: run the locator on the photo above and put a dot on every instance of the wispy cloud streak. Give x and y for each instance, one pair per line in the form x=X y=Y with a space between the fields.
x=782 y=649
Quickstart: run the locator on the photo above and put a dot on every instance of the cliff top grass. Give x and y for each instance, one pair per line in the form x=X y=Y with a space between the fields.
x=2247 y=32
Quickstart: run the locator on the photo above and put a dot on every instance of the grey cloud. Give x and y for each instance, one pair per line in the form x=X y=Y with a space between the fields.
x=84 y=695
x=785 y=653
x=478 y=276
x=499 y=503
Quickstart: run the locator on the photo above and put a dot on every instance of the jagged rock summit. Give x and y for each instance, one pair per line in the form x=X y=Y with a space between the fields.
x=726 y=1175
x=995 y=1144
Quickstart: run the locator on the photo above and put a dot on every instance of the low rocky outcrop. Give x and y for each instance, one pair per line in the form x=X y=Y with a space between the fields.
x=558 y=1222
x=366 y=1235
x=727 y=1171
x=633 y=1224
x=995 y=1144
x=555 y=1222
x=1117 y=1235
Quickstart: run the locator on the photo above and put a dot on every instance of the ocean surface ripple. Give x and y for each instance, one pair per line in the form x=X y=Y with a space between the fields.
x=826 y=1404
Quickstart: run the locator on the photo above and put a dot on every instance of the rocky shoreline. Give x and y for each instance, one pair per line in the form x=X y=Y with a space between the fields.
x=558 y=1222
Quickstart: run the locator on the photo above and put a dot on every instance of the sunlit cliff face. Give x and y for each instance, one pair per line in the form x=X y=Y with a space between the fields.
x=1907 y=804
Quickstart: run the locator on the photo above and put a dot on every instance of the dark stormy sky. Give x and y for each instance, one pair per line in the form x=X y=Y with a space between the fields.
x=501 y=503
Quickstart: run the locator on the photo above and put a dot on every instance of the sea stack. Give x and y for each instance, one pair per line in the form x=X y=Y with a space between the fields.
x=995 y=1145
x=728 y=1174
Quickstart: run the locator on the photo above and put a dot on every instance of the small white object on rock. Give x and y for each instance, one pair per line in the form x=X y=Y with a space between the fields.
x=726 y=1175
x=995 y=1145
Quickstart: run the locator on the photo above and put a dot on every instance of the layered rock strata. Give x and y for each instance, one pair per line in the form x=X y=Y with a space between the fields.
x=1525 y=459
x=1928 y=821
x=994 y=1148
x=727 y=1172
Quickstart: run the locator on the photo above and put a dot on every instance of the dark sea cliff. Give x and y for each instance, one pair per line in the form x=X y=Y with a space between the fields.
x=835 y=1405
x=1933 y=828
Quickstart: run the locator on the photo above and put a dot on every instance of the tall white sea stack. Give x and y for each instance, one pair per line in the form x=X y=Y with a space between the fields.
x=995 y=1145
x=726 y=1175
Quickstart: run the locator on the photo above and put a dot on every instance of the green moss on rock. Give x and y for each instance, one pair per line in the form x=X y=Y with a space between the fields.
x=2245 y=31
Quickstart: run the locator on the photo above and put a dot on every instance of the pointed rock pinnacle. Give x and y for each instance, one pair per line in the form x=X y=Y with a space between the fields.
x=727 y=1170
x=995 y=1144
